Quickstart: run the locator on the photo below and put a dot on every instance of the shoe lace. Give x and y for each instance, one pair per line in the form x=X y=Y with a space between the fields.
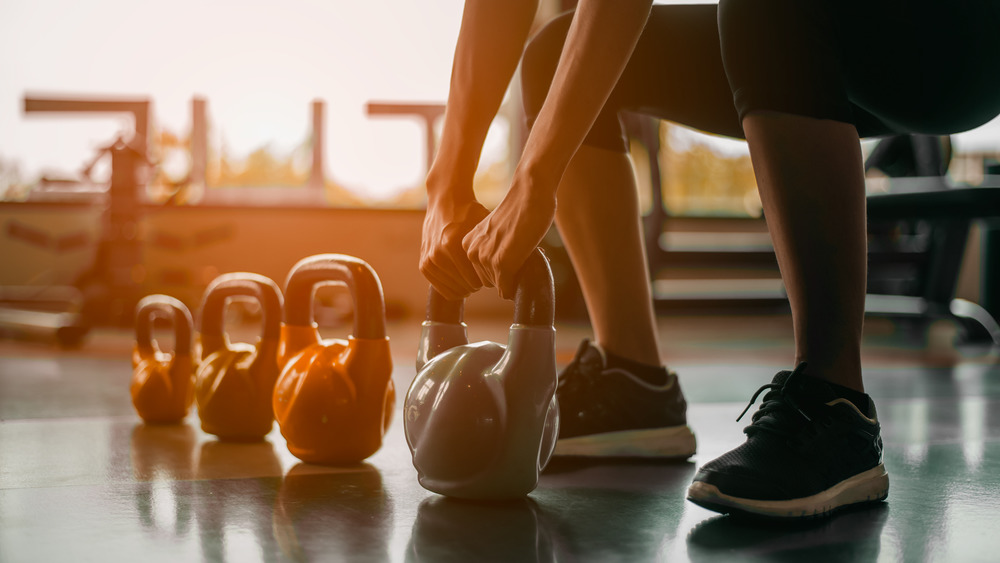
x=778 y=404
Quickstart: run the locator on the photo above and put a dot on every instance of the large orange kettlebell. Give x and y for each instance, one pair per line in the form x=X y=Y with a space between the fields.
x=234 y=381
x=162 y=389
x=481 y=419
x=334 y=398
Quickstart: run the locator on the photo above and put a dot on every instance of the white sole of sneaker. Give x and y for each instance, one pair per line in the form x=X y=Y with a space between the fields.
x=869 y=486
x=671 y=442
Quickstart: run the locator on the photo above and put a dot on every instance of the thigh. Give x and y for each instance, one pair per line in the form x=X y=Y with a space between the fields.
x=783 y=56
x=887 y=66
x=675 y=73
x=920 y=66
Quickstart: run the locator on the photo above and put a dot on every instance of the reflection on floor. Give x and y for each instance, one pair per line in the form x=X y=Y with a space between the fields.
x=81 y=478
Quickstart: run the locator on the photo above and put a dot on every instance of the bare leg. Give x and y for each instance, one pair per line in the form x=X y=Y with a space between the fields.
x=598 y=218
x=811 y=180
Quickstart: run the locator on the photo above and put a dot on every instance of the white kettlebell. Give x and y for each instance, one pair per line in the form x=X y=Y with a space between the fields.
x=481 y=419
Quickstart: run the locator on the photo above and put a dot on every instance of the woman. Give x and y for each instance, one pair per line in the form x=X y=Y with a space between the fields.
x=802 y=82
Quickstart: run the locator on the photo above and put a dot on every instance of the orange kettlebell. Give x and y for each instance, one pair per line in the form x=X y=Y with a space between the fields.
x=481 y=419
x=161 y=386
x=334 y=398
x=234 y=382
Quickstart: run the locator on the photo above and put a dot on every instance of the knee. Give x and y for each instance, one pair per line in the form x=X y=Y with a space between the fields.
x=538 y=64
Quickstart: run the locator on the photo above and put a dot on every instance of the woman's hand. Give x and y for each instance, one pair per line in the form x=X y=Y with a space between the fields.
x=600 y=41
x=443 y=261
x=490 y=43
x=498 y=246
x=463 y=246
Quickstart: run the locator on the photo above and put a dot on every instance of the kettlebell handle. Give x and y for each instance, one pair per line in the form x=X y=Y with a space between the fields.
x=534 y=301
x=238 y=284
x=535 y=298
x=442 y=310
x=356 y=274
x=164 y=307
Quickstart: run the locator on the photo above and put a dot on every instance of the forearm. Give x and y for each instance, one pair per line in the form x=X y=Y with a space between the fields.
x=490 y=43
x=598 y=46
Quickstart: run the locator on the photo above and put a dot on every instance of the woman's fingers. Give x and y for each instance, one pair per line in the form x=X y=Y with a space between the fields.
x=499 y=245
x=443 y=260
x=439 y=267
x=483 y=270
x=456 y=261
x=444 y=286
x=497 y=257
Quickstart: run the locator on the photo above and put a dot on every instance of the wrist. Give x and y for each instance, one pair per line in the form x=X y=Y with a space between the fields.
x=453 y=169
x=447 y=182
x=544 y=159
x=539 y=176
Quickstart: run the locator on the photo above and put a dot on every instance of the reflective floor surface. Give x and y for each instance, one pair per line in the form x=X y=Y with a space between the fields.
x=82 y=479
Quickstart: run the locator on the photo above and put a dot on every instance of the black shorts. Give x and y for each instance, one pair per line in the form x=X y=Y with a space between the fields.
x=885 y=66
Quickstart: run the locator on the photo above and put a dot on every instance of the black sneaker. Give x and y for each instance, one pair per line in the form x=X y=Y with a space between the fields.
x=808 y=452
x=612 y=413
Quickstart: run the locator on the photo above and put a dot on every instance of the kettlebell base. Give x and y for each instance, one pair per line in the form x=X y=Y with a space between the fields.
x=235 y=437
x=240 y=439
x=476 y=491
x=329 y=460
x=674 y=442
x=230 y=431
x=162 y=421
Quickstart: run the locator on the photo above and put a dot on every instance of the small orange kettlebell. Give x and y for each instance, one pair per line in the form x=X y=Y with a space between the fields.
x=334 y=398
x=234 y=382
x=161 y=386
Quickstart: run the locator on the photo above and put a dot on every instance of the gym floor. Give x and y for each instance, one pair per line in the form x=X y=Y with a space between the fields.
x=83 y=479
